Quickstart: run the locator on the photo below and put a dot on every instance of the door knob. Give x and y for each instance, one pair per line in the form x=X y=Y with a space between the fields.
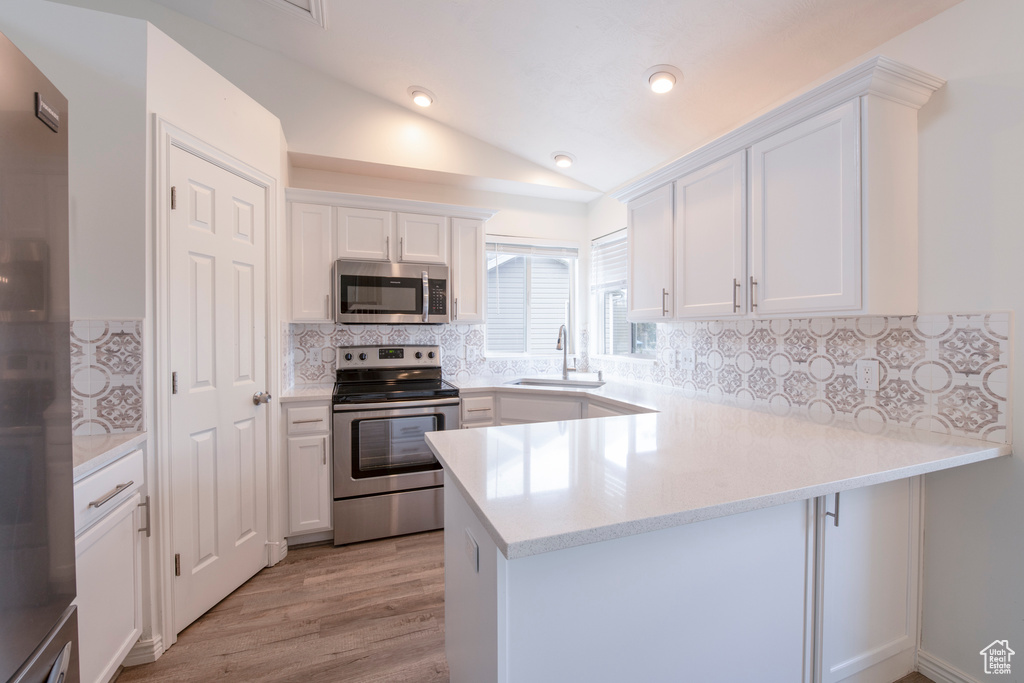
x=261 y=397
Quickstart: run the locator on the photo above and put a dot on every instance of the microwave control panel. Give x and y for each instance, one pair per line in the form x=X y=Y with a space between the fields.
x=438 y=297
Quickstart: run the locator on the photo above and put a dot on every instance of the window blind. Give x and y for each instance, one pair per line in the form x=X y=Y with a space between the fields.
x=608 y=261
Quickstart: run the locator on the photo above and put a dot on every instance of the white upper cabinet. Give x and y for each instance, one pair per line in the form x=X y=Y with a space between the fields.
x=710 y=240
x=311 y=262
x=805 y=228
x=832 y=192
x=468 y=271
x=422 y=239
x=649 y=287
x=364 y=234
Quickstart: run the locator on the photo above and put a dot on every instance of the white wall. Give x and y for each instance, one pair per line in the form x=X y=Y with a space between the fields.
x=98 y=62
x=971 y=248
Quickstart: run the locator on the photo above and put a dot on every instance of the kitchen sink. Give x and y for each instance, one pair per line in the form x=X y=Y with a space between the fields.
x=580 y=382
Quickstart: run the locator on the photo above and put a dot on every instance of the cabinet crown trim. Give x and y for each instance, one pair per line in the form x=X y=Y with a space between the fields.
x=879 y=76
x=358 y=201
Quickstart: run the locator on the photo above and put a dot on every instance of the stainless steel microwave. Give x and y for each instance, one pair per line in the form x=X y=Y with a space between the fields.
x=390 y=293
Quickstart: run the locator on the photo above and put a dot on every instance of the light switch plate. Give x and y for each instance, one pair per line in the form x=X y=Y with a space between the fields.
x=472 y=551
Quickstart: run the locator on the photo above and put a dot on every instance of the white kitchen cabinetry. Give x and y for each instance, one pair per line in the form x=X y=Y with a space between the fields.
x=805 y=228
x=309 y=467
x=649 y=287
x=326 y=226
x=311 y=262
x=710 y=240
x=108 y=557
x=525 y=409
x=363 y=234
x=832 y=191
x=868 y=569
x=478 y=411
x=422 y=239
x=468 y=271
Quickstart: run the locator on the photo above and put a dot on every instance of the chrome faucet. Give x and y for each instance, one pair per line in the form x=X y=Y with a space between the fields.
x=563 y=346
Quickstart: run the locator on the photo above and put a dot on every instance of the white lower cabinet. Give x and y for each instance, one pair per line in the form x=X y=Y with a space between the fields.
x=109 y=569
x=525 y=409
x=308 y=445
x=867 y=587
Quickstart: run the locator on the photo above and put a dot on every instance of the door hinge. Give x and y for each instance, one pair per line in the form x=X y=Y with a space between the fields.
x=174 y=198
x=174 y=382
x=177 y=564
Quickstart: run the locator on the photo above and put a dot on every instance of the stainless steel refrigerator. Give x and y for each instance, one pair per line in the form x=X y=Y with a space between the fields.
x=38 y=626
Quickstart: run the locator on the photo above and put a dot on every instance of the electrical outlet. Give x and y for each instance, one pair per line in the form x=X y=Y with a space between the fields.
x=687 y=359
x=867 y=374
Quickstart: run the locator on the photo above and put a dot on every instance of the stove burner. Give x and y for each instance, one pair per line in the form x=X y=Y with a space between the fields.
x=371 y=374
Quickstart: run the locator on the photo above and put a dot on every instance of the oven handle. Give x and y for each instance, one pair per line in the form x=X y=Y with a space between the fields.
x=394 y=405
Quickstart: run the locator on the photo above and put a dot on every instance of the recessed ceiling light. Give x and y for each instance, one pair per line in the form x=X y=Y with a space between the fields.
x=663 y=77
x=563 y=159
x=421 y=95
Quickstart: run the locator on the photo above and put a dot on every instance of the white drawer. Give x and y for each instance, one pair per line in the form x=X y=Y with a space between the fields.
x=309 y=420
x=105 y=489
x=478 y=409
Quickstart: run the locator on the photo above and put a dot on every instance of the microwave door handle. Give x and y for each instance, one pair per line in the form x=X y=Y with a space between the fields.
x=426 y=297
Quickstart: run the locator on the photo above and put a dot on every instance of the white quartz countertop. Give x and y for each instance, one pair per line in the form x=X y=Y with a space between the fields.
x=308 y=392
x=547 y=486
x=91 y=452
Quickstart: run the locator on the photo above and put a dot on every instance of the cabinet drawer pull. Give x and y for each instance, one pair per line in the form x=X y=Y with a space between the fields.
x=753 y=295
x=110 y=494
x=735 y=295
x=302 y=422
x=478 y=410
x=664 y=306
x=148 y=528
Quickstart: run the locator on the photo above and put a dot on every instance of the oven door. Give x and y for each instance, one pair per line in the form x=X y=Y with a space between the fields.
x=380 y=448
x=390 y=293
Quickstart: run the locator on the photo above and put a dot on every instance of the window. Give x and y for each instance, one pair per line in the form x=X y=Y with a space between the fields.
x=529 y=296
x=615 y=335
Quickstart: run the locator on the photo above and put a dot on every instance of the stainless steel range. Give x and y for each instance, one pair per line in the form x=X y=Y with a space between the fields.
x=386 y=480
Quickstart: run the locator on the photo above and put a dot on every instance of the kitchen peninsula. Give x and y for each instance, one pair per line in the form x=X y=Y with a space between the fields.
x=702 y=541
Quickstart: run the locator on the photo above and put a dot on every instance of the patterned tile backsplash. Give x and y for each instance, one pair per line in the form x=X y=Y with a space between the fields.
x=106 y=376
x=942 y=373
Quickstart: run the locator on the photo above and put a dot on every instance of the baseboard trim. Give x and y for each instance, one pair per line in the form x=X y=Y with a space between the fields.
x=144 y=652
x=940 y=670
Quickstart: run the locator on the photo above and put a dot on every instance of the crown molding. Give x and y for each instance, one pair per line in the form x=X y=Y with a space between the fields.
x=359 y=201
x=880 y=76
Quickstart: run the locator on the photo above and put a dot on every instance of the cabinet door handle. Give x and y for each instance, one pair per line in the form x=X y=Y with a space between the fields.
x=103 y=500
x=834 y=515
x=455 y=313
x=735 y=295
x=387 y=246
x=327 y=305
x=401 y=245
x=664 y=306
x=478 y=410
x=323 y=454
x=753 y=295
x=148 y=528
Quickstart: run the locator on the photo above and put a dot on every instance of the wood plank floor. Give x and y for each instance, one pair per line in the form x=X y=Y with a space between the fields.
x=367 y=612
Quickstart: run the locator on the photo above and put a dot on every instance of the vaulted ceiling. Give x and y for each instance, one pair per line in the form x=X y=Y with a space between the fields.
x=537 y=76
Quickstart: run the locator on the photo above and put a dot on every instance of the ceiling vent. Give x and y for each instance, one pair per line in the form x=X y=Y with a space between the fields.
x=310 y=10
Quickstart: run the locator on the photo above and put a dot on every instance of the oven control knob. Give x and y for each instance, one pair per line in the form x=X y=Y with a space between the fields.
x=362 y=356
x=348 y=356
x=419 y=354
x=430 y=355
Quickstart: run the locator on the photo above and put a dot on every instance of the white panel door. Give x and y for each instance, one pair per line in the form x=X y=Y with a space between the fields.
x=309 y=484
x=469 y=271
x=869 y=591
x=805 y=229
x=710 y=240
x=311 y=262
x=217 y=341
x=649 y=219
x=364 y=234
x=422 y=239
